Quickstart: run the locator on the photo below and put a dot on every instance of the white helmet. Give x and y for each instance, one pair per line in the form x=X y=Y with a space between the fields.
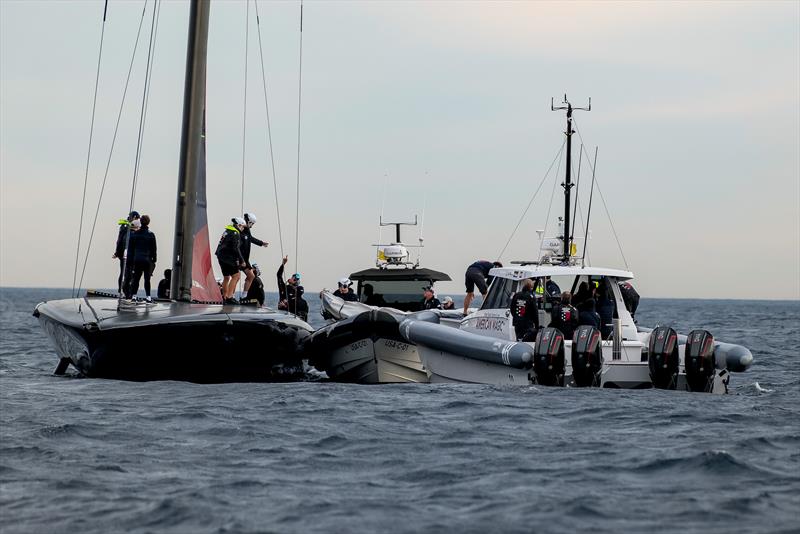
x=250 y=217
x=345 y=282
x=237 y=221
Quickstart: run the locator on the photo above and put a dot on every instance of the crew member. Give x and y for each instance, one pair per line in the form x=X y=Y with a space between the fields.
x=525 y=313
x=246 y=239
x=256 y=289
x=290 y=293
x=119 y=251
x=164 y=285
x=478 y=275
x=448 y=304
x=565 y=316
x=344 y=292
x=605 y=309
x=587 y=313
x=371 y=298
x=630 y=297
x=141 y=258
x=429 y=300
x=229 y=255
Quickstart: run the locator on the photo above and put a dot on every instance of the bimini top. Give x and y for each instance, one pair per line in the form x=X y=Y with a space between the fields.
x=400 y=274
x=520 y=272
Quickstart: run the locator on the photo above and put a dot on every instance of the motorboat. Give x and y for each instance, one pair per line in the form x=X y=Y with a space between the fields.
x=619 y=354
x=193 y=336
x=362 y=342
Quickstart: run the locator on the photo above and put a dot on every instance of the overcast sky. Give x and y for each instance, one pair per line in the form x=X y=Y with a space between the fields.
x=694 y=109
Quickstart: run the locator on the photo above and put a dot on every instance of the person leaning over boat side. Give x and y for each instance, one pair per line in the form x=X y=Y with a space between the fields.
x=119 y=251
x=630 y=297
x=163 y=285
x=478 y=275
x=525 y=312
x=229 y=256
x=246 y=239
x=565 y=316
x=429 y=301
x=344 y=292
x=448 y=304
x=142 y=253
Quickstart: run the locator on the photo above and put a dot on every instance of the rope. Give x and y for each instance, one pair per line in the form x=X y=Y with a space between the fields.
x=89 y=150
x=550 y=205
x=605 y=207
x=244 y=107
x=269 y=128
x=111 y=150
x=299 y=102
x=530 y=202
x=149 y=72
x=140 y=137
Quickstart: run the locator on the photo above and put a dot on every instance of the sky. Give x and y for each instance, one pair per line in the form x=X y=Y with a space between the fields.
x=434 y=109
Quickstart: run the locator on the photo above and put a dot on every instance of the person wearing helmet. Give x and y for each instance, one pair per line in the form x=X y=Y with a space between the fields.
x=344 y=292
x=141 y=258
x=478 y=275
x=256 y=289
x=429 y=300
x=290 y=293
x=246 y=239
x=229 y=256
x=119 y=251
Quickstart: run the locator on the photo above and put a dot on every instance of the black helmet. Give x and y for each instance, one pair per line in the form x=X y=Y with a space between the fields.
x=133 y=215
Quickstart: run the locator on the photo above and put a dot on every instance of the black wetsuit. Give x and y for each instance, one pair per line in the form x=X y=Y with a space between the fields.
x=566 y=318
x=525 y=315
x=350 y=296
x=246 y=238
x=432 y=304
x=228 y=251
x=142 y=255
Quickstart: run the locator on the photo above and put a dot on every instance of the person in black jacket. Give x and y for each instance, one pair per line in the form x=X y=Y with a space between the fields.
x=565 y=316
x=229 y=256
x=605 y=309
x=630 y=297
x=246 y=239
x=429 y=301
x=119 y=251
x=142 y=256
x=345 y=292
x=164 y=285
x=290 y=293
x=525 y=312
x=256 y=289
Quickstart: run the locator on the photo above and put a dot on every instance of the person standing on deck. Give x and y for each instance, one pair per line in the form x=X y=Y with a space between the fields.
x=142 y=256
x=478 y=275
x=525 y=312
x=290 y=293
x=119 y=251
x=246 y=239
x=229 y=255
x=565 y=316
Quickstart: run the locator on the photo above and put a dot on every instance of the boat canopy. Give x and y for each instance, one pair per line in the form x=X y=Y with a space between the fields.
x=387 y=275
x=522 y=272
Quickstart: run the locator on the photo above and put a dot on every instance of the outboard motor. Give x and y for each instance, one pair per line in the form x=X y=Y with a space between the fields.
x=663 y=357
x=587 y=356
x=548 y=358
x=698 y=359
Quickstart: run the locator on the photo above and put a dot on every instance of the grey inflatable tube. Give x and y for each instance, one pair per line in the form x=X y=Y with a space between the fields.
x=454 y=341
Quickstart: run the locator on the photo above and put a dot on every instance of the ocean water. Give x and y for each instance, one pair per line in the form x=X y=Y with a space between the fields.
x=90 y=455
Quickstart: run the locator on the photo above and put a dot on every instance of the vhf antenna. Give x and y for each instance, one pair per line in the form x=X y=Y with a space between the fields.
x=567 y=184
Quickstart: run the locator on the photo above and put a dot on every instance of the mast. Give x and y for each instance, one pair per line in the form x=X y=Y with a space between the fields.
x=567 y=184
x=194 y=96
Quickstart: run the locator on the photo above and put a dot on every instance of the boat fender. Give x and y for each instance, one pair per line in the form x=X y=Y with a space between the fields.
x=662 y=357
x=548 y=358
x=466 y=344
x=699 y=361
x=426 y=315
x=732 y=357
x=587 y=356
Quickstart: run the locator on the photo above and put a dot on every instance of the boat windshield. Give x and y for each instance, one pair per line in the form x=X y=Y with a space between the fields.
x=405 y=295
x=500 y=292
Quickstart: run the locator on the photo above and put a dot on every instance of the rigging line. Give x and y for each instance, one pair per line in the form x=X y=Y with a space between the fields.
x=244 y=106
x=602 y=198
x=269 y=128
x=589 y=212
x=89 y=150
x=140 y=135
x=577 y=191
x=549 y=207
x=530 y=202
x=111 y=150
x=299 y=101
x=151 y=52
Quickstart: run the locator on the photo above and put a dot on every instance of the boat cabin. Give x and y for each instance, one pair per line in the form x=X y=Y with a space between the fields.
x=395 y=288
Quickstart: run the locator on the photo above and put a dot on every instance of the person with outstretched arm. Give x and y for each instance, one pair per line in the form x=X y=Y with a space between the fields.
x=290 y=293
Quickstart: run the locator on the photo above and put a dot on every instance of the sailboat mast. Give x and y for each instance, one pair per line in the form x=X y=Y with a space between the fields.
x=194 y=96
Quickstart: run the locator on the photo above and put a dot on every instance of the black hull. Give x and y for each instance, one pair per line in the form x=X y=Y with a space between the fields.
x=175 y=341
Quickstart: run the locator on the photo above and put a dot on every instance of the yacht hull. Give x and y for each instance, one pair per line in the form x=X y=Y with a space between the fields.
x=205 y=343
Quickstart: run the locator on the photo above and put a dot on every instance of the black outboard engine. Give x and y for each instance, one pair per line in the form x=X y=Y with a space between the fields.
x=548 y=358
x=698 y=359
x=663 y=357
x=587 y=356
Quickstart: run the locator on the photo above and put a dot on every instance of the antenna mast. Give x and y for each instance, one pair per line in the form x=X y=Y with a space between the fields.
x=567 y=184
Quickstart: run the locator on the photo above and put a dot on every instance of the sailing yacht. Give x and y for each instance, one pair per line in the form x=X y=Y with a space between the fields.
x=194 y=336
x=622 y=354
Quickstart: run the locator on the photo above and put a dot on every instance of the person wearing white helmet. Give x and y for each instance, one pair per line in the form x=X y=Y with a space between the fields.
x=229 y=255
x=448 y=304
x=246 y=238
x=344 y=292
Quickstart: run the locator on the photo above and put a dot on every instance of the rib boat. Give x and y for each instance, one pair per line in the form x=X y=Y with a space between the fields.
x=193 y=336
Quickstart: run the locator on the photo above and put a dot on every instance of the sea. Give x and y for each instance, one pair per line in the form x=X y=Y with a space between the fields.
x=92 y=455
